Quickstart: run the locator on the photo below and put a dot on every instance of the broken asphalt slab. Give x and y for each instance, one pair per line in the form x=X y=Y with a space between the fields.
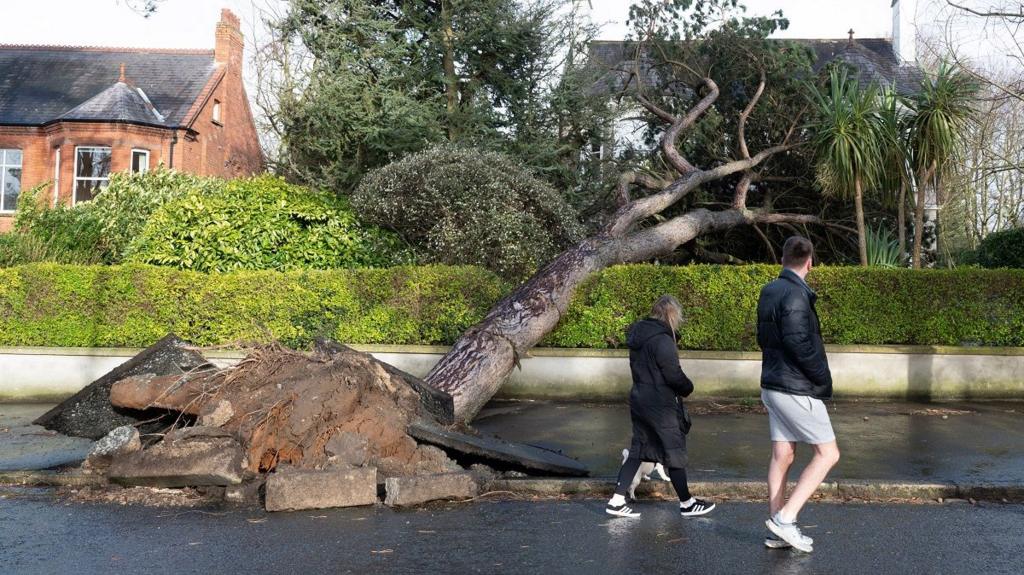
x=497 y=452
x=89 y=413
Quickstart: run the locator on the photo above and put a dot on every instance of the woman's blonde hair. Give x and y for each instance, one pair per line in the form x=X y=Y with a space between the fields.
x=669 y=310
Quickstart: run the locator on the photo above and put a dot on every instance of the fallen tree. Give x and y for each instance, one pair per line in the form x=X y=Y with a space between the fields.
x=474 y=369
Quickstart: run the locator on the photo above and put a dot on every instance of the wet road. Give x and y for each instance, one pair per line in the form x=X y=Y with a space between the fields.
x=41 y=535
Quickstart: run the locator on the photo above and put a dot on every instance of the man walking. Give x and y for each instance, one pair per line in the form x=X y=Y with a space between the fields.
x=795 y=378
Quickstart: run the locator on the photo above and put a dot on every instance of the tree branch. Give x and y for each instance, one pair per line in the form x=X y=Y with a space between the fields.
x=629 y=178
x=668 y=141
x=992 y=14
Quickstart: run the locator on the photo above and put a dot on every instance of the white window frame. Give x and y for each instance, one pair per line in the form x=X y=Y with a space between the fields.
x=74 y=188
x=131 y=164
x=56 y=175
x=215 y=113
x=3 y=175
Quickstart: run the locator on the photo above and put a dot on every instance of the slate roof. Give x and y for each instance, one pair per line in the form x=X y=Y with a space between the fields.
x=874 y=58
x=43 y=84
x=118 y=103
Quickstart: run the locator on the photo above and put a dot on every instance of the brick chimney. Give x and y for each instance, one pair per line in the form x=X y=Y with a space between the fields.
x=229 y=46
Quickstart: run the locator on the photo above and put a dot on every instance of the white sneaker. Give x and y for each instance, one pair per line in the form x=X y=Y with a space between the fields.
x=773 y=542
x=789 y=533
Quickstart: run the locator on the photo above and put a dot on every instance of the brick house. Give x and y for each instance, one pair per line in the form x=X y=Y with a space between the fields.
x=72 y=115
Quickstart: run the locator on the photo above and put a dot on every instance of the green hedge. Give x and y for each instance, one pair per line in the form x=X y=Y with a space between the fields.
x=133 y=305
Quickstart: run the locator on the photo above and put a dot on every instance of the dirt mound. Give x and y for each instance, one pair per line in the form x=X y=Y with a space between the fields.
x=285 y=407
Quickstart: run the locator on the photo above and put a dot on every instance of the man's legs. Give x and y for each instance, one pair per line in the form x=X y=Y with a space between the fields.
x=778 y=474
x=826 y=455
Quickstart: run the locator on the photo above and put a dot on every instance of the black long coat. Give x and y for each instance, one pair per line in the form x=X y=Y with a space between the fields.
x=654 y=405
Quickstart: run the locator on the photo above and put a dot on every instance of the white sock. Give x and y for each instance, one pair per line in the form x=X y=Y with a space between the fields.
x=617 y=500
x=688 y=502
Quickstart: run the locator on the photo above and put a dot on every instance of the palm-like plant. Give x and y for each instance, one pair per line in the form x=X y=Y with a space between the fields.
x=847 y=141
x=941 y=112
x=896 y=176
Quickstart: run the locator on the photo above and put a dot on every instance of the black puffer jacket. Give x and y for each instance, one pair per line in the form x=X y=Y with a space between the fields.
x=658 y=382
x=792 y=351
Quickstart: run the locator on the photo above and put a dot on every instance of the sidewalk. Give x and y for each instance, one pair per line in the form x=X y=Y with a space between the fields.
x=979 y=442
x=945 y=449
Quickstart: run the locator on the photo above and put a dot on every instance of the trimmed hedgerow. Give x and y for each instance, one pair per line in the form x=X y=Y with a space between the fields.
x=856 y=305
x=134 y=305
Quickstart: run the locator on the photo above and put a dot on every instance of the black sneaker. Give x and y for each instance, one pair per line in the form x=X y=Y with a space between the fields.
x=623 y=510
x=699 y=507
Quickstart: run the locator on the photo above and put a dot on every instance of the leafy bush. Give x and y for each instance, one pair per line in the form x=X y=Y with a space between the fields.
x=134 y=305
x=124 y=206
x=17 y=248
x=260 y=223
x=461 y=206
x=55 y=233
x=856 y=305
x=1003 y=249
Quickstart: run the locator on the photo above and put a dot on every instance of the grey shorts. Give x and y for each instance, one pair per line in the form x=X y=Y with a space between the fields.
x=797 y=418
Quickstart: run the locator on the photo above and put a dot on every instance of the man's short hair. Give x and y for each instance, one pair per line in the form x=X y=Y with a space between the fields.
x=796 y=251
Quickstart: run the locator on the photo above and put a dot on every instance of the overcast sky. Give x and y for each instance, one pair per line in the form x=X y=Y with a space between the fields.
x=189 y=23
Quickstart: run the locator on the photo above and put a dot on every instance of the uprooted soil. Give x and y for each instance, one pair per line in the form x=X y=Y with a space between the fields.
x=285 y=407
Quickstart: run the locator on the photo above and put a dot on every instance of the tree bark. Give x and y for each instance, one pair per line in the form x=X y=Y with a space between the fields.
x=901 y=224
x=862 y=241
x=451 y=79
x=922 y=184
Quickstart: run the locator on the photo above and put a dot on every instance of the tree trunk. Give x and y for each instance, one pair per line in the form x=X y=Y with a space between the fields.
x=922 y=184
x=451 y=79
x=474 y=369
x=901 y=224
x=862 y=240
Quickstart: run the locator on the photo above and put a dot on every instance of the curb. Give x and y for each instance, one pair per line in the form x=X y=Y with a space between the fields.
x=660 y=490
x=50 y=479
x=834 y=490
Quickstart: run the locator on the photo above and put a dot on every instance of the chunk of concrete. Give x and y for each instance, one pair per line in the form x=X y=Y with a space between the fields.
x=89 y=413
x=347 y=448
x=293 y=489
x=192 y=461
x=418 y=489
x=119 y=441
x=216 y=413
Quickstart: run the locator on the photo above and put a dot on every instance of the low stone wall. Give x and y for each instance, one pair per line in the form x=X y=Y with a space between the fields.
x=49 y=374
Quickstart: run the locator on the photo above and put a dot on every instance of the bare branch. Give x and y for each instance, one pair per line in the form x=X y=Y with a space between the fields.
x=742 y=129
x=668 y=141
x=646 y=180
x=767 y=243
x=992 y=14
x=654 y=109
x=627 y=216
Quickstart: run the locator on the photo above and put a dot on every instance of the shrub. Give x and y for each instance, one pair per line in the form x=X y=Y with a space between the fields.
x=260 y=223
x=17 y=248
x=1003 y=249
x=56 y=233
x=856 y=305
x=461 y=206
x=124 y=206
x=134 y=305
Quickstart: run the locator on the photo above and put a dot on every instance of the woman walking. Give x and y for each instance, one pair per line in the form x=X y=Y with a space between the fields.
x=659 y=419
